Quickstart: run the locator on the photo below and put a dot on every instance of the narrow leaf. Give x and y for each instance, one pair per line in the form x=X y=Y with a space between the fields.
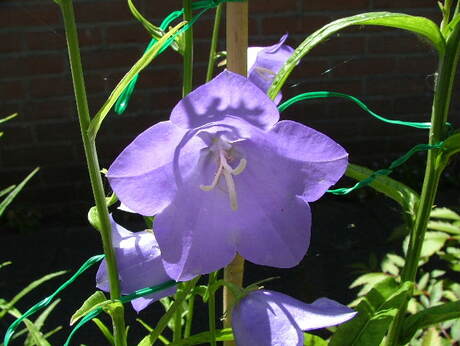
x=444 y=213
x=104 y=330
x=375 y=313
x=428 y=317
x=36 y=335
x=7 y=190
x=418 y=25
x=205 y=337
x=41 y=319
x=89 y=304
x=6 y=202
x=444 y=227
x=142 y=63
x=9 y=117
x=400 y=193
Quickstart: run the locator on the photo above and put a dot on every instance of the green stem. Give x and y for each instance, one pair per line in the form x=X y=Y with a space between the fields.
x=189 y=317
x=440 y=111
x=212 y=308
x=188 y=52
x=177 y=333
x=67 y=10
x=214 y=41
x=163 y=323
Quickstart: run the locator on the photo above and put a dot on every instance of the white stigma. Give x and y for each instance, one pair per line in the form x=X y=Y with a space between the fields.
x=228 y=172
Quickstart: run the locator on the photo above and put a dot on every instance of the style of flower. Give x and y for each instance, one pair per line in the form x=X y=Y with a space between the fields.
x=265 y=62
x=223 y=176
x=139 y=265
x=269 y=318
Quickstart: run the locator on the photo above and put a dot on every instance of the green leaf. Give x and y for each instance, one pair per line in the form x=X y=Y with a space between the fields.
x=375 y=313
x=142 y=63
x=6 y=202
x=434 y=241
x=451 y=147
x=41 y=319
x=444 y=227
x=4 y=264
x=93 y=301
x=431 y=338
x=104 y=330
x=28 y=289
x=37 y=337
x=368 y=280
x=418 y=25
x=9 y=117
x=428 y=317
x=7 y=190
x=313 y=340
x=444 y=213
x=205 y=337
x=400 y=193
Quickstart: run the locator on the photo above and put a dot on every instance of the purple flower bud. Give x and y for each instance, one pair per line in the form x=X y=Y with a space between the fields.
x=264 y=318
x=139 y=265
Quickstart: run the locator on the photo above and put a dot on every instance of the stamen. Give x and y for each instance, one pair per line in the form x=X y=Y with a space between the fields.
x=265 y=73
x=228 y=172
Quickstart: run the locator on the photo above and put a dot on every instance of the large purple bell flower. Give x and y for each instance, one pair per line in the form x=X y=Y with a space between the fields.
x=269 y=318
x=139 y=265
x=265 y=62
x=223 y=176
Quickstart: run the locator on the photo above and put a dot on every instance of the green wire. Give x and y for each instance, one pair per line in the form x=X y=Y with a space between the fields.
x=123 y=99
x=45 y=302
x=386 y=171
x=324 y=94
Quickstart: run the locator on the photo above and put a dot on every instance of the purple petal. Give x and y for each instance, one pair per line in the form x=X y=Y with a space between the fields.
x=139 y=265
x=321 y=161
x=322 y=313
x=267 y=64
x=257 y=320
x=227 y=95
x=146 y=174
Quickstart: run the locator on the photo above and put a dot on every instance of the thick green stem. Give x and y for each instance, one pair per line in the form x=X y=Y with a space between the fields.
x=93 y=164
x=188 y=52
x=440 y=111
x=214 y=41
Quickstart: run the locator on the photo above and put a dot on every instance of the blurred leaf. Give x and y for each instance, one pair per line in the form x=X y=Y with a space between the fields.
x=104 y=330
x=28 y=289
x=436 y=293
x=428 y=317
x=41 y=319
x=7 y=190
x=313 y=340
x=368 y=280
x=375 y=313
x=431 y=338
x=434 y=241
x=421 y=285
x=95 y=300
x=418 y=25
x=444 y=213
x=444 y=227
x=389 y=267
x=6 y=202
x=4 y=264
x=36 y=336
x=9 y=117
x=205 y=337
x=397 y=260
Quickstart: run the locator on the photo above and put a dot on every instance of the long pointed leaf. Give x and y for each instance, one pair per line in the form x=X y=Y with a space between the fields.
x=6 y=202
x=418 y=25
x=9 y=117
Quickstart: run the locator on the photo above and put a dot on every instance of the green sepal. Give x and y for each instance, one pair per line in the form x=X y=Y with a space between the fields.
x=428 y=317
x=419 y=25
x=376 y=311
x=94 y=301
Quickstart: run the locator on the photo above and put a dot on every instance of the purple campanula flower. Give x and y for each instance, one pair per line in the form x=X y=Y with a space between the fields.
x=223 y=176
x=269 y=318
x=139 y=265
x=265 y=62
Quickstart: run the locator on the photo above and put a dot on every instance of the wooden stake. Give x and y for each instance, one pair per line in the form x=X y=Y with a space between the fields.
x=237 y=48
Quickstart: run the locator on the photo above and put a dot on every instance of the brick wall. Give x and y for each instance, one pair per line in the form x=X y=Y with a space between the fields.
x=392 y=71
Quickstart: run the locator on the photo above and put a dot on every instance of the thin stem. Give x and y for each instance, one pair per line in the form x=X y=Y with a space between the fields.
x=66 y=7
x=189 y=317
x=163 y=323
x=214 y=41
x=212 y=309
x=440 y=111
x=188 y=52
x=177 y=334
x=237 y=48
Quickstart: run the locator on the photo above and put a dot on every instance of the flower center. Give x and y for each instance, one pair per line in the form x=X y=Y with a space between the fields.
x=223 y=168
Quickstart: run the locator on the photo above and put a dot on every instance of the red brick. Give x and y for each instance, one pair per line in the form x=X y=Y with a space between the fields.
x=293 y=24
x=10 y=42
x=36 y=155
x=47 y=40
x=11 y=90
x=128 y=33
x=45 y=109
x=309 y=5
x=340 y=45
x=422 y=65
x=403 y=4
x=272 y=6
x=102 y=11
x=32 y=65
x=398 y=43
x=58 y=132
x=365 y=66
x=29 y=15
x=111 y=58
x=402 y=85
